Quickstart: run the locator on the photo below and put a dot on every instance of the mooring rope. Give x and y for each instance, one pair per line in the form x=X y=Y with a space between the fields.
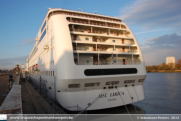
x=103 y=91
x=138 y=98
x=89 y=104
x=132 y=100
x=125 y=105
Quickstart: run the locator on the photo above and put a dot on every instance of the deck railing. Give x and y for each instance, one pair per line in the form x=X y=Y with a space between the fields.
x=104 y=49
x=103 y=32
x=97 y=24
x=105 y=41
x=93 y=49
x=109 y=63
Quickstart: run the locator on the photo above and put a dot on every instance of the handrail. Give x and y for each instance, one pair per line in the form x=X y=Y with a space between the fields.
x=109 y=63
x=17 y=81
x=12 y=103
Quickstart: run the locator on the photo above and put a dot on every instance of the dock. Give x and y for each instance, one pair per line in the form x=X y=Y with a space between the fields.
x=24 y=98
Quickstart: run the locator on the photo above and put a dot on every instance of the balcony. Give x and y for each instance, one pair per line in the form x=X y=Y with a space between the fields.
x=106 y=59
x=119 y=33
x=97 y=23
x=123 y=41
x=103 y=48
x=101 y=31
x=102 y=39
x=126 y=49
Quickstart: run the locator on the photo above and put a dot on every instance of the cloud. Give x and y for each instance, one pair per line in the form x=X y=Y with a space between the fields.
x=151 y=31
x=153 y=13
x=172 y=41
x=156 y=15
x=10 y=63
x=26 y=42
x=156 y=50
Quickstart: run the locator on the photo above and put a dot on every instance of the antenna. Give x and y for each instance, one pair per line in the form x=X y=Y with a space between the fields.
x=95 y=12
x=80 y=9
x=49 y=8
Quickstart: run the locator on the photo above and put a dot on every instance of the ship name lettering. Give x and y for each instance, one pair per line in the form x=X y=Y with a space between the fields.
x=102 y=95
x=114 y=94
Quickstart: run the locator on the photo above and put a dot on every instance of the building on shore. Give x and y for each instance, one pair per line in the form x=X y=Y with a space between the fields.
x=171 y=61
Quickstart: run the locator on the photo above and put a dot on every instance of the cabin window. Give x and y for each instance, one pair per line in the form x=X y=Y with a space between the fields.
x=141 y=80
x=129 y=81
x=86 y=48
x=74 y=85
x=86 y=38
x=42 y=36
x=92 y=84
x=87 y=61
x=43 y=26
x=113 y=40
x=53 y=73
x=112 y=82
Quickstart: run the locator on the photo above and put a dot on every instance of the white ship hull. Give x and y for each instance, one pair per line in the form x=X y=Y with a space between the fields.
x=72 y=63
x=98 y=98
x=80 y=100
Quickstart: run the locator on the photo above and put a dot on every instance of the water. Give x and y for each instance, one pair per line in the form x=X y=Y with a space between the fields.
x=162 y=96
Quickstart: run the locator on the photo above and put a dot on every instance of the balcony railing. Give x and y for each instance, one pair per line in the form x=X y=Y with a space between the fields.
x=106 y=41
x=129 y=63
x=105 y=49
x=110 y=63
x=81 y=30
x=102 y=49
x=103 y=32
x=93 y=49
x=125 y=42
x=97 y=23
x=85 y=48
x=125 y=51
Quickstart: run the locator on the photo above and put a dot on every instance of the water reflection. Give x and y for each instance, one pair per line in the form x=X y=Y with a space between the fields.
x=128 y=109
x=132 y=109
x=109 y=114
x=163 y=93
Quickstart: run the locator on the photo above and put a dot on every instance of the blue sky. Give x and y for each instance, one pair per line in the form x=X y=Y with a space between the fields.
x=155 y=23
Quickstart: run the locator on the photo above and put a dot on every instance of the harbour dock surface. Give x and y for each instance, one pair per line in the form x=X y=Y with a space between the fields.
x=3 y=87
x=32 y=101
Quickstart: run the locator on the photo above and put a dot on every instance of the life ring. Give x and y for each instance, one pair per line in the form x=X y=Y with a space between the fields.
x=96 y=63
x=88 y=31
x=93 y=49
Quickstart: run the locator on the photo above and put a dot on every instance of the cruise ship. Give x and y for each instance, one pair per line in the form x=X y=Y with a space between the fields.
x=87 y=61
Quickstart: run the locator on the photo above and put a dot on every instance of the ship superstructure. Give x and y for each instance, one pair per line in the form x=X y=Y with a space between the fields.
x=79 y=57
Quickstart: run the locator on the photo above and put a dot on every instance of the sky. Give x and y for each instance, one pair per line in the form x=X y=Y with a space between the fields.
x=155 y=23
